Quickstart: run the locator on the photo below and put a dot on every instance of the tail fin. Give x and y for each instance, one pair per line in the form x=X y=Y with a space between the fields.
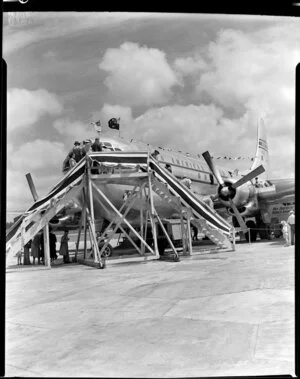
x=262 y=149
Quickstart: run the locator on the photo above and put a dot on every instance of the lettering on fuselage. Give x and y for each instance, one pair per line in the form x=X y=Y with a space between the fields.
x=281 y=211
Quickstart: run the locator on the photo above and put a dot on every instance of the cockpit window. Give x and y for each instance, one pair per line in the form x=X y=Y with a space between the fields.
x=117 y=149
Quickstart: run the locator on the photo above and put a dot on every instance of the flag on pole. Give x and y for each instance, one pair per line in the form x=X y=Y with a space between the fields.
x=113 y=123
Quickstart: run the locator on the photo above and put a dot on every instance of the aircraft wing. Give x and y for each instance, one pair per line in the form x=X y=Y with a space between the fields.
x=280 y=190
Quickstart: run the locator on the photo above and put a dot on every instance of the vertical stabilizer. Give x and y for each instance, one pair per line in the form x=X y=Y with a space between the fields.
x=262 y=149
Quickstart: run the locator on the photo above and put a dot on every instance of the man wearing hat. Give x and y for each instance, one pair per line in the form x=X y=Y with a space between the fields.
x=155 y=154
x=76 y=151
x=97 y=145
x=86 y=146
x=291 y=229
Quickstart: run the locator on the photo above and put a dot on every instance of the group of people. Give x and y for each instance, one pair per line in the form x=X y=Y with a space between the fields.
x=79 y=150
x=35 y=248
x=288 y=229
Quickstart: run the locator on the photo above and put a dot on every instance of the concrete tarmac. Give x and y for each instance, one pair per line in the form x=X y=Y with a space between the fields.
x=215 y=314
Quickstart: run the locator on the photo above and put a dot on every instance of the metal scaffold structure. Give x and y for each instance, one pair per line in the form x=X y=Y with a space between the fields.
x=147 y=181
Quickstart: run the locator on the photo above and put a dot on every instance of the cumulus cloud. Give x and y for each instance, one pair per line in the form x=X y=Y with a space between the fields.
x=247 y=75
x=197 y=128
x=19 y=197
x=77 y=130
x=138 y=75
x=254 y=70
x=43 y=159
x=38 y=155
x=178 y=125
x=26 y=107
x=190 y=65
x=108 y=111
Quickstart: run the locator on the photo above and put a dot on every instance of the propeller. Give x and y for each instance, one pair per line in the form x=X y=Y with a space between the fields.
x=238 y=216
x=213 y=168
x=228 y=190
x=251 y=175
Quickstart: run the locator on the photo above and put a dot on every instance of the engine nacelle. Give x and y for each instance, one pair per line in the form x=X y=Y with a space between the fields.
x=243 y=197
x=239 y=196
x=250 y=208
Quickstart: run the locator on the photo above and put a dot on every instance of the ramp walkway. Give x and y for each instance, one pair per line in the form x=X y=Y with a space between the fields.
x=159 y=180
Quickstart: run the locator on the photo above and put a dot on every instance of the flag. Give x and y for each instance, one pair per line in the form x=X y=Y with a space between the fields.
x=113 y=123
x=97 y=125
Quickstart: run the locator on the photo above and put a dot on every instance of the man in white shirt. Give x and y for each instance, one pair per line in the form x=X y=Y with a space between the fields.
x=291 y=224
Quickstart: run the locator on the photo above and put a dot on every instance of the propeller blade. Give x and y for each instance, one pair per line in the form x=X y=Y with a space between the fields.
x=238 y=216
x=257 y=171
x=213 y=168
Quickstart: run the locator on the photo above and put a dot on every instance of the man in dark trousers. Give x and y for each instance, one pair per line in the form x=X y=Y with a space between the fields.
x=27 y=253
x=42 y=248
x=53 y=240
x=97 y=145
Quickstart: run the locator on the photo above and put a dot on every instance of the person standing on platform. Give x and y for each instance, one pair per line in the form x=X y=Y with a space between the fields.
x=291 y=224
x=97 y=145
x=72 y=161
x=76 y=152
x=35 y=248
x=64 y=247
x=88 y=146
x=155 y=155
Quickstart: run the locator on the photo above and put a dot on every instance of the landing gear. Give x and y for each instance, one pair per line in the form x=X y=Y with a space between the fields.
x=263 y=229
x=252 y=234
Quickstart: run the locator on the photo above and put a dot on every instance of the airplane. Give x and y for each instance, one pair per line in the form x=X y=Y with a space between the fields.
x=255 y=205
x=259 y=205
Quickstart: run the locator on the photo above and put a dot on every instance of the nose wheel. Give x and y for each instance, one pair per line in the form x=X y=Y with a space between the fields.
x=252 y=234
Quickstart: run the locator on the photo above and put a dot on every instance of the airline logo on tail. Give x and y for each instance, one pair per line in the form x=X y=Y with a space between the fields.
x=262 y=144
x=262 y=149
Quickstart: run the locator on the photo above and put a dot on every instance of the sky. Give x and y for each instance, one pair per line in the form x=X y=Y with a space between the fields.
x=192 y=82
